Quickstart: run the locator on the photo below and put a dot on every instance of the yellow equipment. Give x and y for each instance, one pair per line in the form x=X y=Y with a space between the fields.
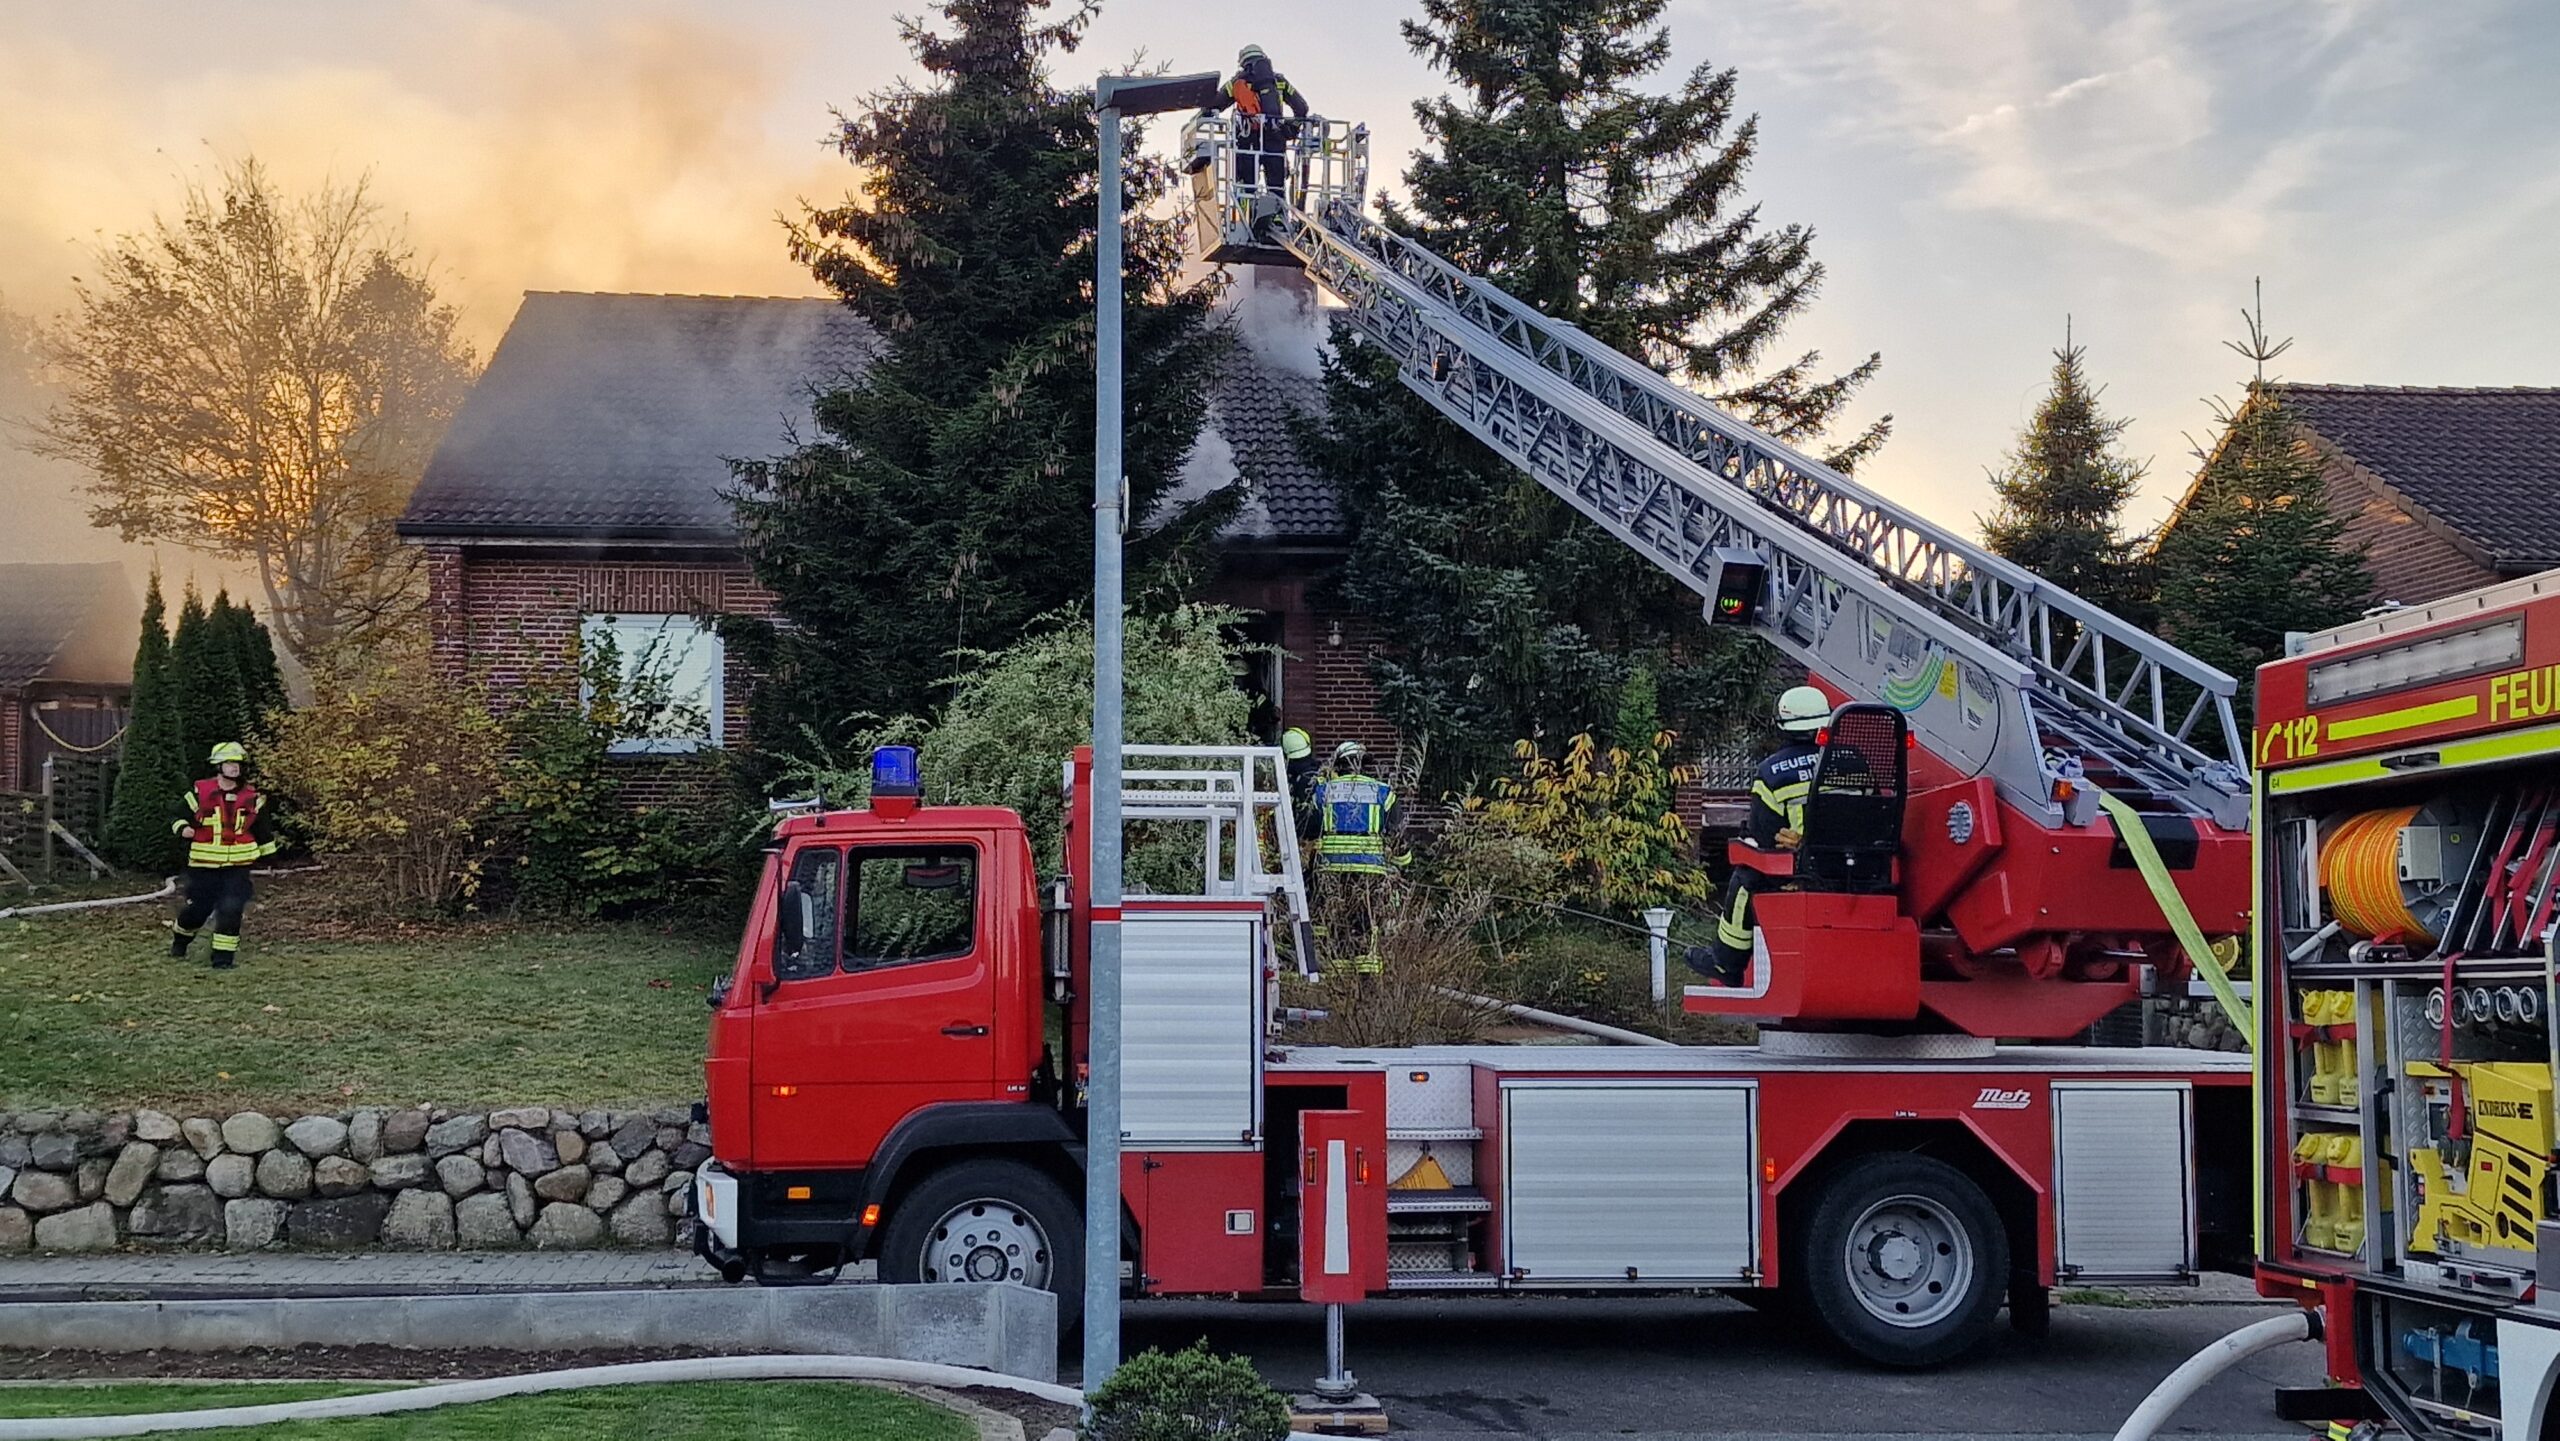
x=2489 y=1185
x=2332 y=1167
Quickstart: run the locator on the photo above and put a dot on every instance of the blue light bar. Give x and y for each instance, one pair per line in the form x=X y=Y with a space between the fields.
x=893 y=772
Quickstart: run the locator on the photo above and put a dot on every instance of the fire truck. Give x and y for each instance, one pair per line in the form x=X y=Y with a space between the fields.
x=2028 y=813
x=2409 y=786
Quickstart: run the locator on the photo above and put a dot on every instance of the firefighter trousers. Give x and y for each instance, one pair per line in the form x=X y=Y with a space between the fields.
x=222 y=894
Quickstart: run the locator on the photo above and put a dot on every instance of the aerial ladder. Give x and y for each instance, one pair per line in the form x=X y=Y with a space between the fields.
x=2070 y=827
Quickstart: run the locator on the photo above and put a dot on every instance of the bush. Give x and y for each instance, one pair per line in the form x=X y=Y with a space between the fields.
x=1608 y=819
x=395 y=780
x=1432 y=963
x=1190 y=1395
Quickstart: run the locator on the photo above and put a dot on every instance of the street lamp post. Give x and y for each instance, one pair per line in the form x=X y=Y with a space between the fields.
x=1113 y=97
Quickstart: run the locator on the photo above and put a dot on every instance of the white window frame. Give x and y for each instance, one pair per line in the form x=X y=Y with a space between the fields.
x=643 y=628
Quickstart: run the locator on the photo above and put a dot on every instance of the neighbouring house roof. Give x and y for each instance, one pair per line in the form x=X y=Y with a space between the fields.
x=2483 y=463
x=63 y=622
x=615 y=417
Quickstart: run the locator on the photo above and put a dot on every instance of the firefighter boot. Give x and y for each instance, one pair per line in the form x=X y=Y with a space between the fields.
x=179 y=940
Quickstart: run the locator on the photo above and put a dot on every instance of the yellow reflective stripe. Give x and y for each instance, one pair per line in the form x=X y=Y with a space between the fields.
x=2408 y=718
x=214 y=853
x=222 y=942
x=2478 y=750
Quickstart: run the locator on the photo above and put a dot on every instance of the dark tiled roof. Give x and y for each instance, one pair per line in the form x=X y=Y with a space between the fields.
x=615 y=416
x=43 y=607
x=1254 y=409
x=2484 y=463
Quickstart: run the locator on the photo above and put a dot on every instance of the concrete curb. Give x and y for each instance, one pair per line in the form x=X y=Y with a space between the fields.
x=993 y=1425
x=1004 y=1328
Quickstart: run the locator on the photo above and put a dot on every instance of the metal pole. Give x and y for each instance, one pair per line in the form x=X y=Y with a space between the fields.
x=1657 y=921
x=1102 y=1113
x=1337 y=1383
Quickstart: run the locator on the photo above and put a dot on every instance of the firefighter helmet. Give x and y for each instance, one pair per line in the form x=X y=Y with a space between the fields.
x=1350 y=756
x=1248 y=55
x=1296 y=744
x=1803 y=708
x=230 y=751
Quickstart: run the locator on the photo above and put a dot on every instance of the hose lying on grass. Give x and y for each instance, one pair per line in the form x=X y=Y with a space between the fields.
x=463 y=1393
x=167 y=889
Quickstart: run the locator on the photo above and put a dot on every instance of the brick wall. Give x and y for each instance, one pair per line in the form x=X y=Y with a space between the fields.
x=1325 y=685
x=2412 y=561
x=13 y=755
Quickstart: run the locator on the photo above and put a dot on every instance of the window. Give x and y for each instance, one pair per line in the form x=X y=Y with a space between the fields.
x=911 y=905
x=665 y=675
x=805 y=933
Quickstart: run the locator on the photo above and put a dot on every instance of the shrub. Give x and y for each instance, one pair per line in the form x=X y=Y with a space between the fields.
x=1432 y=967
x=1607 y=817
x=1190 y=1395
x=395 y=780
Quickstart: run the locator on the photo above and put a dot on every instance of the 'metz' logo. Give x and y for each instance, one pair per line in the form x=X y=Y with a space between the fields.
x=1995 y=1099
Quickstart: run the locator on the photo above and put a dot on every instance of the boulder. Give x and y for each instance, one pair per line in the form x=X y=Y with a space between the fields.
x=132 y=1168
x=31 y=1123
x=180 y=1164
x=520 y=1202
x=337 y=1224
x=603 y=1159
x=203 y=1134
x=17 y=1230
x=446 y=1137
x=54 y=1151
x=419 y=1221
x=231 y=1176
x=460 y=1175
x=249 y=1133
x=91 y=1228
x=158 y=1127
x=566 y=1226
x=676 y=1181
x=8 y=1178
x=668 y=1137
x=647 y=1170
x=526 y=1152
x=595 y=1125
x=483 y=1223
x=569 y=1183
x=571 y=1146
x=109 y=1136
x=92 y=1178
x=338 y=1176
x=318 y=1136
x=672 y=1115
x=404 y=1131
x=364 y=1135
x=699 y=1133
x=15 y=1153
x=398 y=1173
x=634 y=1136
x=640 y=1221
x=252 y=1225
x=680 y=1204
x=688 y=1155
x=285 y=1175
x=521 y=1118
x=176 y=1213
x=605 y=1193
x=489 y=1155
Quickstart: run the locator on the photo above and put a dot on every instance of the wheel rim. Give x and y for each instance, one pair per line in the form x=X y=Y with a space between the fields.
x=1909 y=1261
x=987 y=1240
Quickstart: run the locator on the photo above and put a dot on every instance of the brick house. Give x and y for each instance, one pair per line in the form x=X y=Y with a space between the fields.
x=578 y=491
x=2446 y=488
x=67 y=635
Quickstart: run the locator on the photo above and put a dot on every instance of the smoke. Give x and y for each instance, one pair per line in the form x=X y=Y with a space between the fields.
x=1279 y=318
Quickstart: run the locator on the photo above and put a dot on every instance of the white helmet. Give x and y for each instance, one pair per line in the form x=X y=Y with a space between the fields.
x=1350 y=756
x=1803 y=708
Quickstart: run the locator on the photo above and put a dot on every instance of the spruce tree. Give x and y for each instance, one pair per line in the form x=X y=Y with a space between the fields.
x=253 y=653
x=1554 y=172
x=205 y=670
x=2062 y=492
x=2256 y=550
x=945 y=503
x=151 y=770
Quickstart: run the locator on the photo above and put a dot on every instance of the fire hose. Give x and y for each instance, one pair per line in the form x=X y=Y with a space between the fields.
x=463 y=1393
x=167 y=889
x=2201 y=1368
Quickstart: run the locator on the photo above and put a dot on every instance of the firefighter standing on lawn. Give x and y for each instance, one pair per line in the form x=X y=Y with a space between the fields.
x=1356 y=817
x=224 y=820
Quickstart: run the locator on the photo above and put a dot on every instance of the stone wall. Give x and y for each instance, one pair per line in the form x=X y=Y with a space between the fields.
x=415 y=1179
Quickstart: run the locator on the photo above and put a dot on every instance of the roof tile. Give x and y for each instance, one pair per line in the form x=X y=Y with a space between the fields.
x=2485 y=462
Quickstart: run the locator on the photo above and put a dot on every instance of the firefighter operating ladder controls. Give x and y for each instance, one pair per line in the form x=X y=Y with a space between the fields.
x=2031 y=709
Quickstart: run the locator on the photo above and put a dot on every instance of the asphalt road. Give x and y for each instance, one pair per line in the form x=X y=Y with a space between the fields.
x=1676 y=1368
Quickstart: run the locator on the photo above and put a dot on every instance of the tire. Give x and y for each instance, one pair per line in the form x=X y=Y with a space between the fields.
x=1903 y=1260
x=1031 y=1232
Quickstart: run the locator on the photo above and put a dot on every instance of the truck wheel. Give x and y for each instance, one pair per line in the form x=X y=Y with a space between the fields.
x=988 y=1220
x=1903 y=1260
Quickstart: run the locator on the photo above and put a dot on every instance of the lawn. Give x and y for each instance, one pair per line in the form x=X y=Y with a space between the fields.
x=700 y=1411
x=320 y=1014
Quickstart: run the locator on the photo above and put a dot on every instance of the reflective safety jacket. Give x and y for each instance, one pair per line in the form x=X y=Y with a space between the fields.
x=221 y=826
x=1355 y=812
x=1778 y=792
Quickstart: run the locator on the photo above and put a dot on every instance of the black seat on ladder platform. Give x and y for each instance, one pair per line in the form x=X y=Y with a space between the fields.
x=1853 y=817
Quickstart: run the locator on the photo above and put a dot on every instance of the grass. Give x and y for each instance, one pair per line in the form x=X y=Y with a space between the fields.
x=2110 y=1300
x=701 y=1411
x=321 y=1014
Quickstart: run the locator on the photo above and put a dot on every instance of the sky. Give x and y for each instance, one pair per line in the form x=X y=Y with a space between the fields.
x=1975 y=171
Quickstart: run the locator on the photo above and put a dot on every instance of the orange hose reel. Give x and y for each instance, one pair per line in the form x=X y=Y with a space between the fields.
x=2360 y=869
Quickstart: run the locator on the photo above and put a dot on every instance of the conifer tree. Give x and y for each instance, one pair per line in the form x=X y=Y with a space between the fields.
x=205 y=669
x=2062 y=493
x=253 y=652
x=946 y=502
x=2256 y=550
x=1555 y=171
x=151 y=770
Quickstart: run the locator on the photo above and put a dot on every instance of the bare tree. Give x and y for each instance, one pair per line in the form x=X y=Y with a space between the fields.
x=263 y=378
